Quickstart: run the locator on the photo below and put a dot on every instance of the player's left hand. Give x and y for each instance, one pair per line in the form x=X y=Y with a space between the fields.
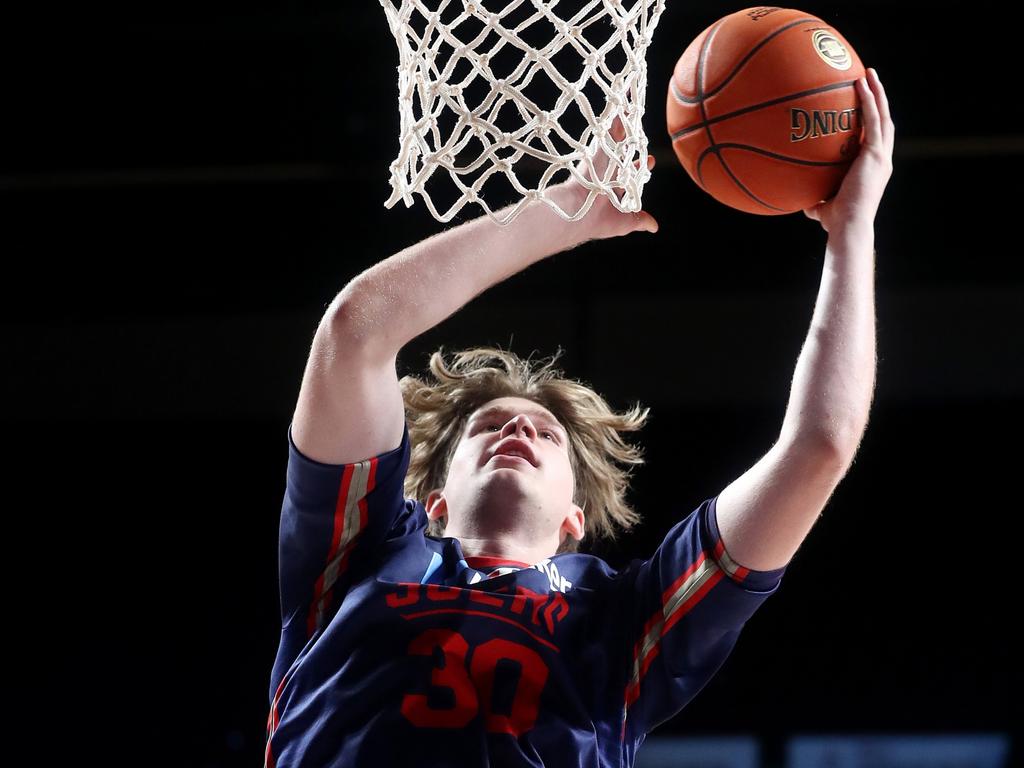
x=856 y=203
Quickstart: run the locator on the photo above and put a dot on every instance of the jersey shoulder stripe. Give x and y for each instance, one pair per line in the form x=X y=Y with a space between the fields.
x=349 y=521
x=678 y=600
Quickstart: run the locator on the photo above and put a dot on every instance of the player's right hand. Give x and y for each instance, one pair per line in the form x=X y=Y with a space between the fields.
x=603 y=219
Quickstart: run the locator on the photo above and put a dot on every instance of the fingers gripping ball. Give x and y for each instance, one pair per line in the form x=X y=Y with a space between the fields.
x=763 y=110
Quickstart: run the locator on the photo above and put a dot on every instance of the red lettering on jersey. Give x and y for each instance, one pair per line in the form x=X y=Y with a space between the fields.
x=479 y=596
x=524 y=595
x=412 y=594
x=554 y=605
x=441 y=594
x=558 y=603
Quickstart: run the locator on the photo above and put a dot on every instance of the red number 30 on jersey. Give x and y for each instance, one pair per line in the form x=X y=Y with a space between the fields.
x=470 y=686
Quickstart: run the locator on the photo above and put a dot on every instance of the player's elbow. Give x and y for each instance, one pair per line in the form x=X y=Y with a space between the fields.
x=352 y=326
x=830 y=449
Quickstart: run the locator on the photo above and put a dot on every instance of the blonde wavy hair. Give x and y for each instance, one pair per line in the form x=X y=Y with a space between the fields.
x=601 y=460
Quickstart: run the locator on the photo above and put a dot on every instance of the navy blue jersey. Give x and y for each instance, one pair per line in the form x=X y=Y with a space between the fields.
x=398 y=650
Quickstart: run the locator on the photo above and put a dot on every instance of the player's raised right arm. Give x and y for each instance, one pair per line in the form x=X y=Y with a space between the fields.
x=350 y=407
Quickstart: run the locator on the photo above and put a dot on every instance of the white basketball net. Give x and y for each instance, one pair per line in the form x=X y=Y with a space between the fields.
x=520 y=97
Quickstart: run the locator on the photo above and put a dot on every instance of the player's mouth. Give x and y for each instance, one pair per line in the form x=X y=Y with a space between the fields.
x=515 y=448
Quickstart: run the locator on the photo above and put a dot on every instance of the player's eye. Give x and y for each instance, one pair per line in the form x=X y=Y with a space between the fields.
x=548 y=435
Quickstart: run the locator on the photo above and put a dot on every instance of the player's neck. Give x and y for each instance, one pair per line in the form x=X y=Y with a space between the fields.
x=505 y=549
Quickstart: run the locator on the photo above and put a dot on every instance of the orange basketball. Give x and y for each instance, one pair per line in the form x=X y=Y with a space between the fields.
x=763 y=110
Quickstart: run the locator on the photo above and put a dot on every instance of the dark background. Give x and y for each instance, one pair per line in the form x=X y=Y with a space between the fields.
x=185 y=187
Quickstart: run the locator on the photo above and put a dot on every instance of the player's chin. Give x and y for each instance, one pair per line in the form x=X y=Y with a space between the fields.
x=511 y=475
x=503 y=461
x=512 y=481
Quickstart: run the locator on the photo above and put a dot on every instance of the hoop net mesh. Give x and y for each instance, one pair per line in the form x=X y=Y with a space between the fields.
x=506 y=103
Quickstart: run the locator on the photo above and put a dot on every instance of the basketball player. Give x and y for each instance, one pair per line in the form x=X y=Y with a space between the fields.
x=461 y=627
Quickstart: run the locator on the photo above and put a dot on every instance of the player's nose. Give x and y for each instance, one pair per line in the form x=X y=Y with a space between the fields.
x=520 y=426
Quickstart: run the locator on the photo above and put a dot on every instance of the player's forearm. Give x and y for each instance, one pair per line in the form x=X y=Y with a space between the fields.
x=834 y=380
x=405 y=295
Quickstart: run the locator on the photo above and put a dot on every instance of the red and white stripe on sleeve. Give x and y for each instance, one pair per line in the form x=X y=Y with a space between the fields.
x=349 y=521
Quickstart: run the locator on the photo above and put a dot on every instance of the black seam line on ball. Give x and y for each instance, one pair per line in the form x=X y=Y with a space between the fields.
x=766 y=153
x=764 y=105
x=684 y=100
x=704 y=116
x=732 y=176
x=700 y=83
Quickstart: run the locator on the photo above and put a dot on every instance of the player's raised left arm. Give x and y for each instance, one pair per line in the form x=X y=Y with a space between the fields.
x=765 y=514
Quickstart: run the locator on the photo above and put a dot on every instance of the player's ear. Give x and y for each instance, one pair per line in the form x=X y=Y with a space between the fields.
x=575 y=523
x=436 y=505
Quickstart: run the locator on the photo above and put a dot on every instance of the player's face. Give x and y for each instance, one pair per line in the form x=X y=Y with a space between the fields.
x=510 y=472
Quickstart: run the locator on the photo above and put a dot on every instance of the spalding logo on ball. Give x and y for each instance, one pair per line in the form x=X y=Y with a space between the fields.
x=763 y=110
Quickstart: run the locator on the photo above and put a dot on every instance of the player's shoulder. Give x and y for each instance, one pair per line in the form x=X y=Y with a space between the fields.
x=586 y=571
x=303 y=457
